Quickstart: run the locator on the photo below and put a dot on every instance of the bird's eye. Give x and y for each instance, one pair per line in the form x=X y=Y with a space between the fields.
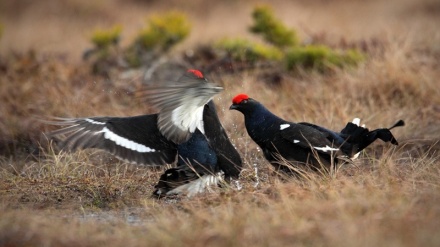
x=244 y=101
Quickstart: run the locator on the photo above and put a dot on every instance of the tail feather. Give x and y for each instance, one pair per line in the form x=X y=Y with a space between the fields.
x=172 y=179
x=360 y=137
x=399 y=123
x=198 y=186
x=383 y=134
x=184 y=180
x=354 y=131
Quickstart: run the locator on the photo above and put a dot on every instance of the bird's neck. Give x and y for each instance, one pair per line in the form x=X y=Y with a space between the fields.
x=260 y=119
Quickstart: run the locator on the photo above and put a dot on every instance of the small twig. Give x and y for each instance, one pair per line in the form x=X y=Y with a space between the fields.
x=256 y=176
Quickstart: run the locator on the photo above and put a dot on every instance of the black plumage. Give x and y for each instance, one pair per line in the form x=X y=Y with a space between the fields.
x=186 y=132
x=304 y=143
x=133 y=139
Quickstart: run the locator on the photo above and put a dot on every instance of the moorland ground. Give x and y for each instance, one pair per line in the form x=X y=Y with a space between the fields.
x=389 y=197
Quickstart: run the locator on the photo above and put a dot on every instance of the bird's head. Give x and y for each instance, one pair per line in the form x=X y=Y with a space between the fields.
x=242 y=103
x=195 y=79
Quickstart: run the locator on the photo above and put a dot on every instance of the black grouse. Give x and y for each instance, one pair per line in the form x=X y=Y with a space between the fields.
x=186 y=131
x=304 y=143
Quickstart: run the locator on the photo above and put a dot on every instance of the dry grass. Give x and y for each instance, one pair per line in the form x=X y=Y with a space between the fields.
x=392 y=202
x=390 y=197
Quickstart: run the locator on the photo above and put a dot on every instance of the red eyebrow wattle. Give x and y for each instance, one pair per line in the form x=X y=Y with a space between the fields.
x=196 y=73
x=239 y=98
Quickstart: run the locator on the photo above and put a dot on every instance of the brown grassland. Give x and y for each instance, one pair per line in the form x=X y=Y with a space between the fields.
x=389 y=197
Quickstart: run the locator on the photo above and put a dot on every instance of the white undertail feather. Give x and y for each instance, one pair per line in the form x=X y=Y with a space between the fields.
x=199 y=185
x=357 y=121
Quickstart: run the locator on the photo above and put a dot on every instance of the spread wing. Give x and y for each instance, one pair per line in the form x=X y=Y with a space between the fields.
x=181 y=105
x=134 y=139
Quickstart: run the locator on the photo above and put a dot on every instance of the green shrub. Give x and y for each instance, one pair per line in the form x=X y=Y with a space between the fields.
x=104 y=54
x=320 y=57
x=244 y=50
x=103 y=39
x=273 y=30
x=351 y=57
x=164 y=31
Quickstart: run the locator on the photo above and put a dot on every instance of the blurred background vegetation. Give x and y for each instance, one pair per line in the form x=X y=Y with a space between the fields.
x=282 y=47
x=115 y=35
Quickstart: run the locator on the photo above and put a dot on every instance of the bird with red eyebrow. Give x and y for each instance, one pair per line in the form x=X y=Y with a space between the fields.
x=304 y=144
x=185 y=132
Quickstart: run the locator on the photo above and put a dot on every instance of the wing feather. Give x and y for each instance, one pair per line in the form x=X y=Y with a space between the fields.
x=133 y=139
x=307 y=136
x=181 y=105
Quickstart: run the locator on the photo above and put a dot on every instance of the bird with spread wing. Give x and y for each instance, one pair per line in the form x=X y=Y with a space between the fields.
x=185 y=132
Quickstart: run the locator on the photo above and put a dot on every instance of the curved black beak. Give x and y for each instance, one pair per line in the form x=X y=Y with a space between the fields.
x=233 y=107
